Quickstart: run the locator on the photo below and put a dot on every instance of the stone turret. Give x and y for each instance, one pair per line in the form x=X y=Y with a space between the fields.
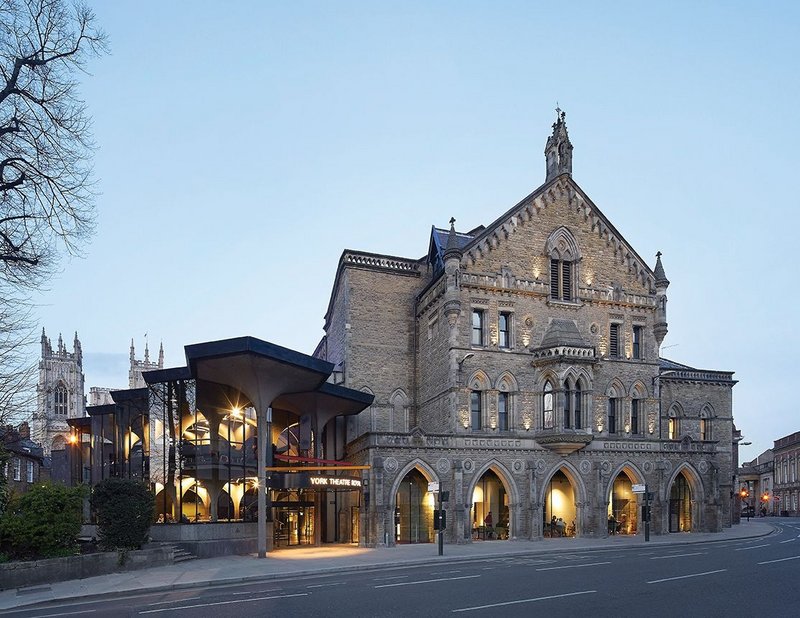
x=662 y=283
x=558 y=151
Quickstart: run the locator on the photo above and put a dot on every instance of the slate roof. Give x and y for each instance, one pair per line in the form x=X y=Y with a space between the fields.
x=438 y=243
x=563 y=332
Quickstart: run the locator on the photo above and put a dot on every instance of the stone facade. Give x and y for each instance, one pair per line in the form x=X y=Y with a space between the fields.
x=518 y=366
x=786 y=453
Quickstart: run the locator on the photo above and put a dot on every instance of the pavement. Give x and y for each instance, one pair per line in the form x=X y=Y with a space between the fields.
x=303 y=561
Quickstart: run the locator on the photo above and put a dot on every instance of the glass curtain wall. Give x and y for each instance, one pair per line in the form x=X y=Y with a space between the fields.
x=202 y=452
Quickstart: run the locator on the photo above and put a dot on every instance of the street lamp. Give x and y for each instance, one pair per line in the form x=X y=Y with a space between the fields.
x=744 y=494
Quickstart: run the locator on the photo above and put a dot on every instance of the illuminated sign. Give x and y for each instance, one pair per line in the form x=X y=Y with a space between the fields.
x=335 y=481
x=305 y=480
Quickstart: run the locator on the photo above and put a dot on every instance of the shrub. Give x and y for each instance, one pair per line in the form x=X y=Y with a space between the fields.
x=44 y=522
x=124 y=510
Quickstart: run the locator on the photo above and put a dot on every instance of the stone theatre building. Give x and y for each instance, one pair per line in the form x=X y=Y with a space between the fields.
x=517 y=364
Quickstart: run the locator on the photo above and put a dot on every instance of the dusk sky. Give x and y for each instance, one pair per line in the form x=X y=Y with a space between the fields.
x=243 y=146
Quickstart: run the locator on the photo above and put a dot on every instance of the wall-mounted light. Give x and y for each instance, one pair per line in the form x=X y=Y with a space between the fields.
x=467 y=356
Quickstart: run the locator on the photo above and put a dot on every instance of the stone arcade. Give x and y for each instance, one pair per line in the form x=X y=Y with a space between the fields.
x=518 y=366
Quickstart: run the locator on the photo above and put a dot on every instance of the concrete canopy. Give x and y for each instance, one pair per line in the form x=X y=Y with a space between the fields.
x=259 y=369
x=325 y=403
x=262 y=371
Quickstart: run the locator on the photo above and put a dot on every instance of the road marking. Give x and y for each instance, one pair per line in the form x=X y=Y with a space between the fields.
x=85 y=611
x=788 y=541
x=753 y=547
x=669 y=579
x=697 y=553
x=325 y=585
x=380 y=579
x=427 y=581
x=780 y=560
x=175 y=609
x=572 y=566
x=554 y=596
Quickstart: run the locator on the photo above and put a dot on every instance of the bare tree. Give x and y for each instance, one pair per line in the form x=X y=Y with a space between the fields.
x=46 y=193
x=46 y=196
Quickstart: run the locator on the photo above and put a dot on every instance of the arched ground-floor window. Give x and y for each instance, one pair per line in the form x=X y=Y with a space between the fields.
x=622 y=507
x=680 y=505
x=489 y=509
x=560 y=511
x=413 y=516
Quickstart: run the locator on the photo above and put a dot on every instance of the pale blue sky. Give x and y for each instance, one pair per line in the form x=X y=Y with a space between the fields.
x=241 y=149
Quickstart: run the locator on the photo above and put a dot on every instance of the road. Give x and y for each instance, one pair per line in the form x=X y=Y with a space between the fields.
x=733 y=578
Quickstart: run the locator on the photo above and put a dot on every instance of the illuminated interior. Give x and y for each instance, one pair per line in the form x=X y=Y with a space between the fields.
x=680 y=505
x=622 y=507
x=489 y=496
x=560 y=513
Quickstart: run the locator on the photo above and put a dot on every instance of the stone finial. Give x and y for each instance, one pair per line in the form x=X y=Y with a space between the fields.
x=558 y=151
x=133 y=352
x=161 y=356
x=661 y=277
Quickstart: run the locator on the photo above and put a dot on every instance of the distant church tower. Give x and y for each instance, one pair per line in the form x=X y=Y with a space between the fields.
x=59 y=393
x=135 y=379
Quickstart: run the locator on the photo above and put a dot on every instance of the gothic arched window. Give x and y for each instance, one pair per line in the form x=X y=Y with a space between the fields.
x=60 y=400
x=705 y=424
x=614 y=409
x=564 y=255
x=578 y=398
x=568 y=404
x=547 y=406
x=673 y=425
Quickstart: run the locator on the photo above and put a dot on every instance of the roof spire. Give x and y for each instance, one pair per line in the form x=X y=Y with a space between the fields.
x=661 y=277
x=558 y=151
x=452 y=249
